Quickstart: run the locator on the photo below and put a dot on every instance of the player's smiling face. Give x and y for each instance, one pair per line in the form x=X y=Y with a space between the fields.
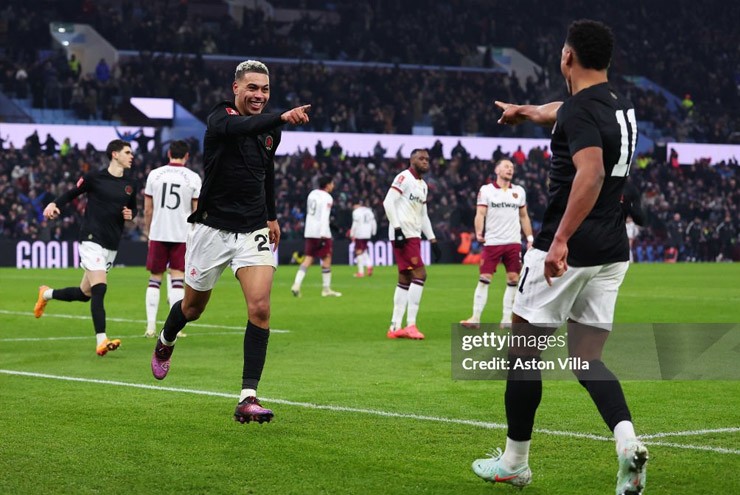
x=251 y=93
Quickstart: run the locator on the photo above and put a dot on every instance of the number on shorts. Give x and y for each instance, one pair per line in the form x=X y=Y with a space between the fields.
x=524 y=279
x=261 y=242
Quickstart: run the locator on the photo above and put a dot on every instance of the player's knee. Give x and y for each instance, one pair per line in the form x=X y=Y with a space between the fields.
x=259 y=310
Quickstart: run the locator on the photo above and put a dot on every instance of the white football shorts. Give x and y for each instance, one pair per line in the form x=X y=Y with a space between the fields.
x=209 y=251
x=584 y=294
x=94 y=257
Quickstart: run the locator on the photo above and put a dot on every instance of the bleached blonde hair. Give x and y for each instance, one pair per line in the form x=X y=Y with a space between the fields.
x=250 y=66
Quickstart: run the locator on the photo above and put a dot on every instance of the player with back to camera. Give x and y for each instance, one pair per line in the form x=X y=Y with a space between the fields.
x=234 y=225
x=364 y=227
x=502 y=210
x=578 y=259
x=318 y=240
x=170 y=196
x=111 y=200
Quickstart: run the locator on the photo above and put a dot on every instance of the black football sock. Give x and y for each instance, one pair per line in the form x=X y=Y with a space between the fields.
x=97 y=306
x=522 y=398
x=69 y=294
x=175 y=322
x=606 y=392
x=255 y=351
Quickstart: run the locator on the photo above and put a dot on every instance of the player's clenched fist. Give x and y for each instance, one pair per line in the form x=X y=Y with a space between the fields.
x=51 y=211
x=296 y=116
x=127 y=213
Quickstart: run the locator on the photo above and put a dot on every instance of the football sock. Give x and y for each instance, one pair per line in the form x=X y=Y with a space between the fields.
x=175 y=291
x=415 y=290
x=299 y=276
x=175 y=322
x=361 y=263
x=100 y=338
x=255 y=351
x=516 y=454
x=67 y=294
x=400 y=299
x=326 y=278
x=152 y=303
x=247 y=392
x=606 y=392
x=624 y=431
x=480 y=297
x=368 y=262
x=97 y=306
x=522 y=398
x=509 y=295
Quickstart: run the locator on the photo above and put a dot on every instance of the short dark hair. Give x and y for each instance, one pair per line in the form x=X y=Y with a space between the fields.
x=325 y=180
x=115 y=146
x=178 y=149
x=417 y=150
x=593 y=42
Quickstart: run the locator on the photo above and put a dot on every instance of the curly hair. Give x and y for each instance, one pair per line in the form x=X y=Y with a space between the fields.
x=592 y=41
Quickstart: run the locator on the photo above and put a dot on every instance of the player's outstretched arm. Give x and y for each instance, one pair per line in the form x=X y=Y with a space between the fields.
x=539 y=114
x=51 y=211
x=297 y=115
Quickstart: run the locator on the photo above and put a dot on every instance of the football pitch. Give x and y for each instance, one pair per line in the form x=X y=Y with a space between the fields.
x=355 y=412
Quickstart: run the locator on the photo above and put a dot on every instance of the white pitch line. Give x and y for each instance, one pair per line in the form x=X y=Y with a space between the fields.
x=376 y=412
x=128 y=320
x=689 y=433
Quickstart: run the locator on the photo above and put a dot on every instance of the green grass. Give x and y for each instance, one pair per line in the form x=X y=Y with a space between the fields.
x=85 y=437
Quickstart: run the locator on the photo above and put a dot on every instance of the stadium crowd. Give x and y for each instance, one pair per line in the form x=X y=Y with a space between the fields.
x=373 y=99
x=692 y=209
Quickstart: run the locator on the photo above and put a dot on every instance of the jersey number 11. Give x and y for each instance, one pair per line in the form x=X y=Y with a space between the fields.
x=629 y=140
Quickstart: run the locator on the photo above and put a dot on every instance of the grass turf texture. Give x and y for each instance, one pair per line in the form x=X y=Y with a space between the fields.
x=60 y=436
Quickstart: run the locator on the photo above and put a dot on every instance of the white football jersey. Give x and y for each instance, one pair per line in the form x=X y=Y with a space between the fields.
x=318 y=215
x=503 y=225
x=410 y=206
x=172 y=189
x=364 y=225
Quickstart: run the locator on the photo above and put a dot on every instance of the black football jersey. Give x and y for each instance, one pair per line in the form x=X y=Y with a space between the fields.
x=106 y=196
x=238 y=193
x=594 y=117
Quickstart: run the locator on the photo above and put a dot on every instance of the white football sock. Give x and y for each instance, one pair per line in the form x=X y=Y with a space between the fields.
x=326 y=278
x=361 y=263
x=623 y=433
x=480 y=298
x=48 y=294
x=400 y=299
x=509 y=295
x=415 y=290
x=299 y=276
x=247 y=392
x=152 y=305
x=101 y=337
x=516 y=454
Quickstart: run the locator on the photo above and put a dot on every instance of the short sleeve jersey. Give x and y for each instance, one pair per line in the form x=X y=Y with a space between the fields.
x=594 y=117
x=502 y=215
x=410 y=206
x=318 y=215
x=172 y=189
x=364 y=225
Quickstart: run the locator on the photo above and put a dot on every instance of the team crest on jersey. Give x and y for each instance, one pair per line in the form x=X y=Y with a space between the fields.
x=128 y=190
x=231 y=111
x=268 y=143
x=516 y=195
